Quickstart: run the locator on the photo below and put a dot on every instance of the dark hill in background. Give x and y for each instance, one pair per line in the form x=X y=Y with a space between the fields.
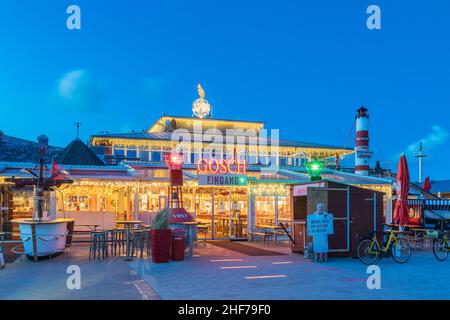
x=14 y=149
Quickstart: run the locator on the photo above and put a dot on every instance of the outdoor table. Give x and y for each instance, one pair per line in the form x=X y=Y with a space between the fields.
x=204 y=227
x=269 y=226
x=190 y=225
x=419 y=233
x=127 y=233
x=398 y=231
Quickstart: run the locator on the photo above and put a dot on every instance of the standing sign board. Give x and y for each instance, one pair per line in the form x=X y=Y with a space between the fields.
x=320 y=225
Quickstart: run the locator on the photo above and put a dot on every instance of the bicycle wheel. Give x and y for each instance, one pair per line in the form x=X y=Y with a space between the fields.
x=439 y=249
x=401 y=251
x=368 y=251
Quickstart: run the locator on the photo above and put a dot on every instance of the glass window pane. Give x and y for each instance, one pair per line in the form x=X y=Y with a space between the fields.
x=131 y=153
x=264 y=210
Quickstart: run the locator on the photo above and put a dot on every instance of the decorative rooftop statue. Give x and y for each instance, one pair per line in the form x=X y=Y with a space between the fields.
x=201 y=107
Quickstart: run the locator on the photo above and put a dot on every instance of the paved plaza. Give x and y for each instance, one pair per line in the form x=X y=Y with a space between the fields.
x=217 y=273
x=109 y=279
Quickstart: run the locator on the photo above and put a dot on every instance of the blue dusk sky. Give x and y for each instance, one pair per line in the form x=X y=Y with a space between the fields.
x=303 y=67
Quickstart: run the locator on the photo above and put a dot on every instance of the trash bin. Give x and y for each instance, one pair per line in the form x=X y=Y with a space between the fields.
x=178 y=238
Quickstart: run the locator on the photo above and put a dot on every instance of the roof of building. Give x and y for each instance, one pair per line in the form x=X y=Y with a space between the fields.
x=168 y=136
x=167 y=123
x=208 y=119
x=344 y=177
x=14 y=149
x=77 y=153
x=440 y=186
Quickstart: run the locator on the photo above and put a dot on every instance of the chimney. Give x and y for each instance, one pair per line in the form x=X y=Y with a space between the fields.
x=362 y=153
x=43 y=140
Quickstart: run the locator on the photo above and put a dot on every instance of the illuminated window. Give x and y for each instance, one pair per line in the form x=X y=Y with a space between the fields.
x=264 y=210
x=77 y=203
x=23 y=201
x=284 y=212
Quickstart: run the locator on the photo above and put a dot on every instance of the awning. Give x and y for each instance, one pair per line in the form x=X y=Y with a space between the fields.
x=437 y=214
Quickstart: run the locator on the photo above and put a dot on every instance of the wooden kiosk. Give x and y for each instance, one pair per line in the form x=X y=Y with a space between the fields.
x=356 y=211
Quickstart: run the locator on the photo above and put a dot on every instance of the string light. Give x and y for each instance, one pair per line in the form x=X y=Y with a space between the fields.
x=384 y=188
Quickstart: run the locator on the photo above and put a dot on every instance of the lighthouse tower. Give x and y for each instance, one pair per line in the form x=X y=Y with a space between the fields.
x=362 y=153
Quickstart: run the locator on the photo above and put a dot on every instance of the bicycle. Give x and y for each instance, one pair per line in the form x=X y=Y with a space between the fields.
x=370 y=251
x=441 y=245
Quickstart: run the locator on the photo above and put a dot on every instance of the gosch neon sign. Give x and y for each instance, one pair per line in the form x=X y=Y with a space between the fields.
x=214 y=166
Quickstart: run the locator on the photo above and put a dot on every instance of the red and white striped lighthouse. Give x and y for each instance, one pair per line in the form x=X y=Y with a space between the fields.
x=362 y=153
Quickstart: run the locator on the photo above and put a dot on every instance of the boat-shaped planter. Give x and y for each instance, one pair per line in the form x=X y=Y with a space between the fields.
x=45 y=237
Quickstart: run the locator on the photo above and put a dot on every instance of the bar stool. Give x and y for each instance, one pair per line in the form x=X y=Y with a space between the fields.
x=112 y=239
x=202 y=230
x=145 y=238
x=137 y=241
x=120 y=238
x=98 y=244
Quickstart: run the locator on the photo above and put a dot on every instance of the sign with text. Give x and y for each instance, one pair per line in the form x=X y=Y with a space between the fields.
x=214 y=166
x=222 y=180
x=320 y=224
x=302 y=190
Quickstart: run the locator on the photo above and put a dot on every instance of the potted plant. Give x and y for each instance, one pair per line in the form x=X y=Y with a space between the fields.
x=161 y=237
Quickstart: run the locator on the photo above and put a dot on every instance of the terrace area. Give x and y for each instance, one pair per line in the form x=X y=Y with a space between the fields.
x=218 y=273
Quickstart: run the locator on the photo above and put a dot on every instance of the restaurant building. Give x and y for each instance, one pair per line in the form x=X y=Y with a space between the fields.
x=237 y=174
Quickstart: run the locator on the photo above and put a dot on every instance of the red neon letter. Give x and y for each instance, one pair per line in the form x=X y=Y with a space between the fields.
x=232 y=161
x=216 y=166
x=223 y=166
x=201 y=166
x=242 y=164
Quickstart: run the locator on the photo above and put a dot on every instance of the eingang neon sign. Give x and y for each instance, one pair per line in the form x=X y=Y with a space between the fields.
x=214 y=166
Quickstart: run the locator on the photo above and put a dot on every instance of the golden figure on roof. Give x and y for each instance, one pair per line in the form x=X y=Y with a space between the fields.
x=201 y=92
x=201 y=107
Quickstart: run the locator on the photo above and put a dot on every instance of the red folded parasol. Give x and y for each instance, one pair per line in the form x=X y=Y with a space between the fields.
x=426 y=184
x=401 y=206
